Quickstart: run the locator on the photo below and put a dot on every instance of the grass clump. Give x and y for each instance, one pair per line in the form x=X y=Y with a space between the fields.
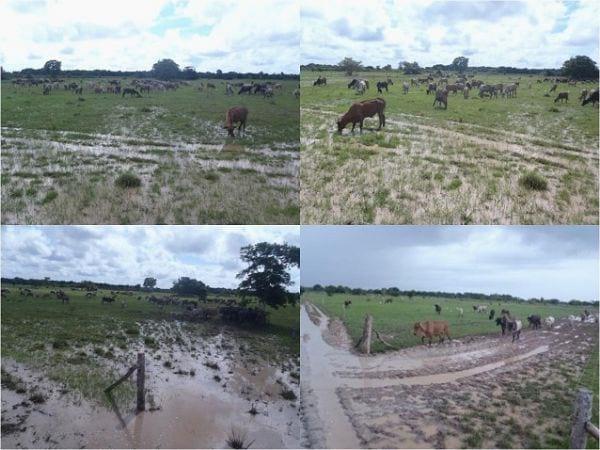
x=128 y=181
x=533 y=181
x=50 y=196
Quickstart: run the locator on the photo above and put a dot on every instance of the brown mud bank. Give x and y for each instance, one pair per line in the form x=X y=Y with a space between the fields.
x=481 y=392
x=196 y=400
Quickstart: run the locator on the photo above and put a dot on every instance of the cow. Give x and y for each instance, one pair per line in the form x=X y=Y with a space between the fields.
x=549 y=321
x=321 y=81
x=460 y=312
x=296 y=93
x=516 y=329
x=132 y=92
x=388 y=300
x=438 y=309
x=356 y=81
x=108 y=299
x=592 y=98
x=347 y=303
x=583 y=95
x=441 y=98
x=535 y=321
x=562 y=96
x=384 y=85
x=492 y=314
x=361 y=110
x=466 y=93
x=431 y=328
x=502 y=322
x=228 y=89
x=234 y=115
x=245 y=88
x=431 y=88
x=405 y=87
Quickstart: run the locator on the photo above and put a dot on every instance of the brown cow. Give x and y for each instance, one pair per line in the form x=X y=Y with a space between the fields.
x=361 y=110
x=234 y=115
x=431 y=328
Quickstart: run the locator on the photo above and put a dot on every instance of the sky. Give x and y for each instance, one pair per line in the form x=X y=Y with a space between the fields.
x=525 y=261
x=128 y=254
x=532 y=34
x=247 y=36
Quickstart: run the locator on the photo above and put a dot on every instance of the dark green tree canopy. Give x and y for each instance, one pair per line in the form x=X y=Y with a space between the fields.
x=267 y=276
x=190 y=286
x=149 y=282
x=349 y=66
x=52 y=67
x=460 y=64
x=166 y=69
x=410 y=68
x=580 y=68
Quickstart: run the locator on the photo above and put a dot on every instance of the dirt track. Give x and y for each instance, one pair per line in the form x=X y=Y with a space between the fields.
x=481 y=392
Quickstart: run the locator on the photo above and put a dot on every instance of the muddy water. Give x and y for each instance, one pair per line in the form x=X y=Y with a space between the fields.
x=183 y=411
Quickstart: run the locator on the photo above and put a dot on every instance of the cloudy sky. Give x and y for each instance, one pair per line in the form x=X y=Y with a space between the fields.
x=534 y=34
x=126 y=255
x=247 y=35
x=551 y=262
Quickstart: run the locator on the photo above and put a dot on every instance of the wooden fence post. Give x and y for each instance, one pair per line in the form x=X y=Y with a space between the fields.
x=365 y=340
x=141 y=374
x=581 y=416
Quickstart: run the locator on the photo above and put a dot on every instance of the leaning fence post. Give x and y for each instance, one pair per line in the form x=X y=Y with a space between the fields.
x=141 y=374
x=365 y=340
x=581 y=416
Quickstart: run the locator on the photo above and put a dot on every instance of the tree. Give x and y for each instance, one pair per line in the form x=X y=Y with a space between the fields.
x=580 y=68
x=149 y=282
x=267 y=276
x=410 y=68
x=190 y=286
x=460 y=64
x=349 y=66
x=189 y=73
x=52 y=67
x=330 y=290
x=166 y=69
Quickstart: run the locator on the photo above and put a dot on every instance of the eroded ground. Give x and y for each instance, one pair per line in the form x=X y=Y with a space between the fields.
x=478 y=392
x=201 y=388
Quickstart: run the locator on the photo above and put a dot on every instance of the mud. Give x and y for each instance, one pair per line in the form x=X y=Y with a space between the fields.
x=196 y=402
x=473 y=392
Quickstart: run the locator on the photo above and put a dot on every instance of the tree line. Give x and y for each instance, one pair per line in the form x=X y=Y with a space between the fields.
x=396 y=292
x=578 y=67
x=165 y=69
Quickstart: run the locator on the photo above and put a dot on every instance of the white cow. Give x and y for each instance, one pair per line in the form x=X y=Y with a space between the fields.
x=549 y=321
x=460 y=312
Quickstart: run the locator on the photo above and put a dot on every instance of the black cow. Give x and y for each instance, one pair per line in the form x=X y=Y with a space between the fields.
x=535 y=321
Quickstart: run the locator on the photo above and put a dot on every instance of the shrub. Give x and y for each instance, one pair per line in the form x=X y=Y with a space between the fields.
x=533 y=181
x=128 y=181
x=50 y=196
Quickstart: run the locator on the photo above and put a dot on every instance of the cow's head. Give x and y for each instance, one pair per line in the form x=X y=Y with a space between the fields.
x=418 y=330
x=340 y=125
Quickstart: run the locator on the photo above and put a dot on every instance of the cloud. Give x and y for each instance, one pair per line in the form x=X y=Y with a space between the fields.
x=493 y=33
x=553 y=262
x=126 y=255
x=227 y=35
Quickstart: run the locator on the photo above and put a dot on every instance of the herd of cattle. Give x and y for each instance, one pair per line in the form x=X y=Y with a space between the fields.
x=441 y=87
x=508 y=323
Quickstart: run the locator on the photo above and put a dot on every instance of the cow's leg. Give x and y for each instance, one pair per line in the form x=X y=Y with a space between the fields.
x=353 y=126
x=361 y=125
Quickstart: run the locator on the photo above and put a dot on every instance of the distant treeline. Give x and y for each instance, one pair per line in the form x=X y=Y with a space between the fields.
x=106 y=286
x=440 y=67
x=395 y=292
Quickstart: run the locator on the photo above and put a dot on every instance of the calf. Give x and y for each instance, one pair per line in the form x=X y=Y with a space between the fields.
x=233 y=116
x=361 y=110
x=431 y=328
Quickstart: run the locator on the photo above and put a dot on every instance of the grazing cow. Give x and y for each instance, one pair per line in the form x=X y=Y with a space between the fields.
x=388 y=300
x=361 y=110
x=592 y=98
x=535 y=321
x=562 y=96
x=383 y=84
x=549 y=321
x=441 y=98
x=405 y=87
x=245 y=88
x=347 y=303
x=460 y=312
x=108 y=299
x=583 y=95
x=492 y=314
x=438 y=309
x=210 y=86
x=452 y=88
x=487 y=89
x=321 y=81
x=355 y=81
x=234 y=115
x=431 y=328
x=131 y=92
x=431 y=88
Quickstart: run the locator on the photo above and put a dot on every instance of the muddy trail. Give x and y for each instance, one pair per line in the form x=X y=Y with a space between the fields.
x=196 y=400
x=480 y=392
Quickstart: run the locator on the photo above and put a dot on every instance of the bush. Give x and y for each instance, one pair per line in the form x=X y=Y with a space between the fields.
x=533 y=181
x=128 y=181
x=50 y=196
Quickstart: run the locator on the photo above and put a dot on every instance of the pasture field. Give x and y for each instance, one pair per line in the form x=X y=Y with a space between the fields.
x=67 y=354
x=523 y=160
x=395 y=320
x=62 y=155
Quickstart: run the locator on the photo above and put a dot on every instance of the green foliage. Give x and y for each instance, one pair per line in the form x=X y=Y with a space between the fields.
x=460 y=64
x=349 y=65
x=166 y=69
x=190 y=286
x=128 y=181
x=533 y=181
x=149 y=282
x=580 y=68
x=410 y=68
x=52 y=67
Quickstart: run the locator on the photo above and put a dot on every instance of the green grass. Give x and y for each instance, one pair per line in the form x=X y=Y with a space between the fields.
x=589 y=379
x=396 y=319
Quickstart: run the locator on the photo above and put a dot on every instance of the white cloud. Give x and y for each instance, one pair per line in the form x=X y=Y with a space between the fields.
x=132 y=35
x=126 y=255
